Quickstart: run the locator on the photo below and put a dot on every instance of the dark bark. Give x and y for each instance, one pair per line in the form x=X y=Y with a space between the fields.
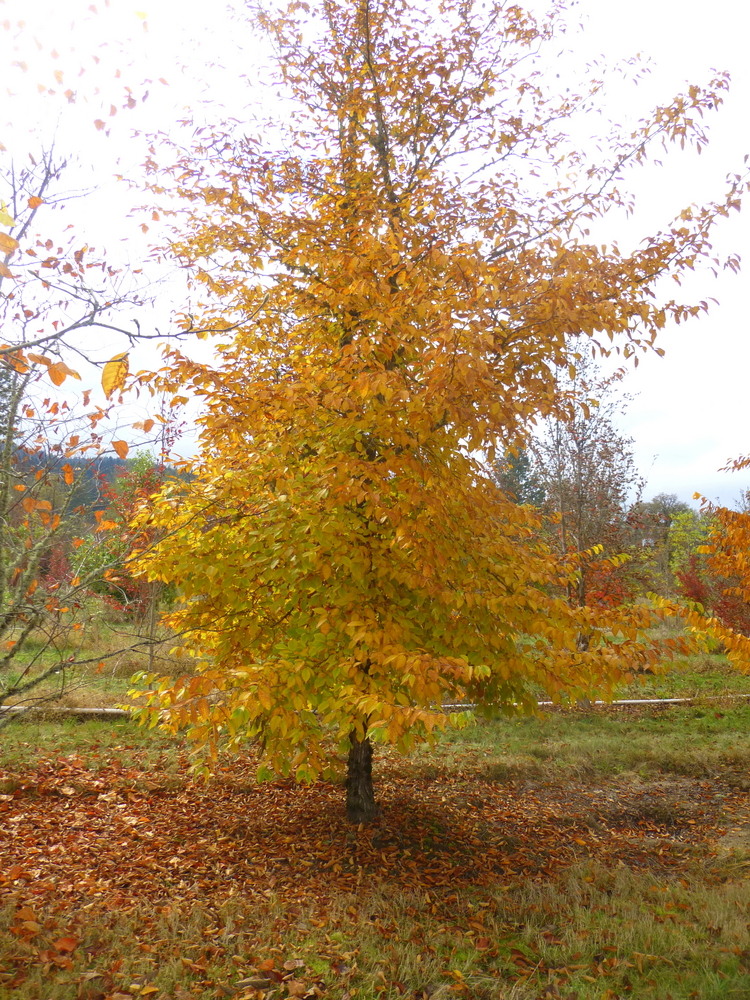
x=360 y=797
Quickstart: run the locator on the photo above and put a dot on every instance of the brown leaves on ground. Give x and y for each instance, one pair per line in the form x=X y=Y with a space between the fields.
x=117 y=836
x=124 y=878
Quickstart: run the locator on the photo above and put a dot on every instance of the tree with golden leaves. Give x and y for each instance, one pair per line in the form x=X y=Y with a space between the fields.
x=399 y=263
x=727 y=557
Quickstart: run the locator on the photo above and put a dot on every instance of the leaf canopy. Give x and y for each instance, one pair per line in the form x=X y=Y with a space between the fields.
x=393 y=290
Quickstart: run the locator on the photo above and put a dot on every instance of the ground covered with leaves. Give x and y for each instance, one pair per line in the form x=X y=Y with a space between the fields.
x=593 y=855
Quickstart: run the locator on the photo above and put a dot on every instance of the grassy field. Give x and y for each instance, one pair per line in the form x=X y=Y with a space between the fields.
x=586 y=855
x=105 y=680
x=111 y=650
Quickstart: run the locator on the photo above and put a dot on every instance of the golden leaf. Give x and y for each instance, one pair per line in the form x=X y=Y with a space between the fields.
x=114 y=374
x=7 y=243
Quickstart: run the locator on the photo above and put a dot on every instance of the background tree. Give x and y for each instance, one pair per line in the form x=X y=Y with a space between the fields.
x=401 y=288
x=587 y=472
x=652 y=522
x=52 y=288
x=518 y=479
x=717 y=574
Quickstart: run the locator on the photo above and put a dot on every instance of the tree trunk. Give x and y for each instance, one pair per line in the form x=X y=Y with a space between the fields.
x=360 y=798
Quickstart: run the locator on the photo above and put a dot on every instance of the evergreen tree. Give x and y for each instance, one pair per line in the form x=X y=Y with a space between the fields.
x=518 y=479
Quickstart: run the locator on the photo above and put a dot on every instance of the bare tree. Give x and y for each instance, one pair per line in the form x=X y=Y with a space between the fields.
x=587 y=471
x=52 y=288
x=53 y=293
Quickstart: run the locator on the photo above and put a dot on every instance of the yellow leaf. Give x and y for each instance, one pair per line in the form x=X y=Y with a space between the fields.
x=114 y=374
x=6 y=220
x=264 y=697
x=122 y=448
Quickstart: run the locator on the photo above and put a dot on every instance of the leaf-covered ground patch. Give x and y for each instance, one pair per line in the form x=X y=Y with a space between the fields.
x=123 y=874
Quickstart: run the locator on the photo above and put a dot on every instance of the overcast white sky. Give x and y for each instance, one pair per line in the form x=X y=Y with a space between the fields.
x=691 y=409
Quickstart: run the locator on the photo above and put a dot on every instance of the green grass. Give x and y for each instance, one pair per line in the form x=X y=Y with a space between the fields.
x=38 y=739
x=703 y=740
x=701 y=676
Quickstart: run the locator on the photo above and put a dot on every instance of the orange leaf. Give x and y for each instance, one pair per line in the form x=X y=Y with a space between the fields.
x=39 y=359
x=99 y=124
x=59 y=372
x=107 y=525
x=35 y=201
x=68 y=474
x=122 y=448
x=66 y=944
x=5 y=271
x=55 y=375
